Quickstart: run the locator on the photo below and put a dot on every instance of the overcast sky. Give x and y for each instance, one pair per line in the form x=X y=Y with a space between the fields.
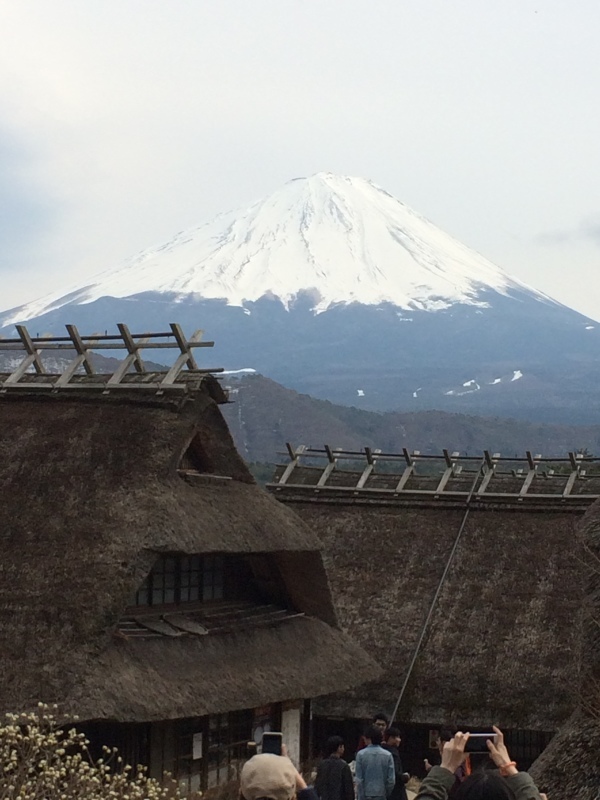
x=124 y=121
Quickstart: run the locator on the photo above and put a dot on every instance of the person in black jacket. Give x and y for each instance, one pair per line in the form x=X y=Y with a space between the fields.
x=392 y=745
x=334 y=778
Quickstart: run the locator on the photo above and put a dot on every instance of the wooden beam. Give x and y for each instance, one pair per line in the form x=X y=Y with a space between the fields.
x=133 y=358
x=331 y=459
x=371 y=462
x=556 y=499
x=531 y=473
x=574 y=474
x=69 y=371
x=448 y=472
x=184 y=344
x=133 y=347
x=31 y=349
x=15 y=376
x=186 y=356
x=294 y=461
x=404 y=479
x=81 y=349
x=491 y=462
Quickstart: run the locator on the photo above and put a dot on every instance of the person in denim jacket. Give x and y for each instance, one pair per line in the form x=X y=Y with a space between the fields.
x=375 y=774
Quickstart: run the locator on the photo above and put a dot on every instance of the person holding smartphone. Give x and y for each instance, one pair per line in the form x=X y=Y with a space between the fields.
x=505 y=783
x=268 y=776
x=462 y=772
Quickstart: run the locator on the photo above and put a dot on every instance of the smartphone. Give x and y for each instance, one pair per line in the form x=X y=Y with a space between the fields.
x=271 y=743
x=477 y=742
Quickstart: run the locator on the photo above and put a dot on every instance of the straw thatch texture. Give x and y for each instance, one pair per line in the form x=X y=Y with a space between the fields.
x=153 y=679
x=570 y=766
x=503 y=640
x=90 y=494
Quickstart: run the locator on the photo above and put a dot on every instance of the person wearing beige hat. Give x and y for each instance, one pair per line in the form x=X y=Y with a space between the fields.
x=270 y=777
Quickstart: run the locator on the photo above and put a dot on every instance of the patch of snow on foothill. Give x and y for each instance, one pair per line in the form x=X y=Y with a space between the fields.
x=237 y=371
x=360 y=392
x=469 y=386
x=495 y=381
x=517 y=374
x=341 y=239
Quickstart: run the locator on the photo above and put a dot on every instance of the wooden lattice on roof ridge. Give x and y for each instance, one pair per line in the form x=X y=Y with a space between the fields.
x=32 y=374
x=369 y=474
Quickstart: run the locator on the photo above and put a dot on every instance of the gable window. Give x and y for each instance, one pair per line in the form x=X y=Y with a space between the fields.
x=195 y=457
x=178 y=578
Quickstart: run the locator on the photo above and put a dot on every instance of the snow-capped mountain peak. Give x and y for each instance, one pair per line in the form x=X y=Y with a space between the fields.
x=340 y=239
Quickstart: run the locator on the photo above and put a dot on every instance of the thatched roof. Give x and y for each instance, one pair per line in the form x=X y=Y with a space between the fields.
x=503 y=639
x=153 y=680
x=570 y=766
x=90 y=494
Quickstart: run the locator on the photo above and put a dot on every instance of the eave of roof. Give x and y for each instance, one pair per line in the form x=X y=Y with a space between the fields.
x=152 y=679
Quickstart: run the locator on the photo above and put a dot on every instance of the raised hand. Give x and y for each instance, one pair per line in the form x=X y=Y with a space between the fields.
x=453 y=753
x=300 y=782
x=499 y=753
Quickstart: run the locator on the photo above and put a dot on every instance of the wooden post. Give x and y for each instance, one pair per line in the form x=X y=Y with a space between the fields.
x=408 y=471
x=294 y=461
x=575 y=460
x=371 y=461
x=489 y=470
x=531 y=473
x=329 y=468
x=448 y=472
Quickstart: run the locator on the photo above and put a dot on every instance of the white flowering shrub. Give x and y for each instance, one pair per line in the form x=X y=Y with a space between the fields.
x=40 y=759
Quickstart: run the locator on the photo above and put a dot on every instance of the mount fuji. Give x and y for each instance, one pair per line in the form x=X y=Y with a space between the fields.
x=333 y=287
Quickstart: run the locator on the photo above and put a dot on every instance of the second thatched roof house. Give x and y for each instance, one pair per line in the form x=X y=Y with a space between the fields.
x=460 y=576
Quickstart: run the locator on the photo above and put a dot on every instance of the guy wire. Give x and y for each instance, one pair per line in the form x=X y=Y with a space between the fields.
x=437 y=593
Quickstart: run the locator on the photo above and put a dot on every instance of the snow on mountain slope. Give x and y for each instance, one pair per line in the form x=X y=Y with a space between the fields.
x=341 y=239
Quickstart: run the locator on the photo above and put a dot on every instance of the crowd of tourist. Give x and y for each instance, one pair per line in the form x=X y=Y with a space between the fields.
x=379 y=775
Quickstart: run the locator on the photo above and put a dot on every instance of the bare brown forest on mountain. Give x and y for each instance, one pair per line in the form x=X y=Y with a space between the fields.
x=263 y=415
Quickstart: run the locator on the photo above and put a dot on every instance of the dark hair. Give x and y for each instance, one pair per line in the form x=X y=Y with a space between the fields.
x=375 y=734
x=332 y=744
x=381 y=715
x=486 y=785
x=391 y=732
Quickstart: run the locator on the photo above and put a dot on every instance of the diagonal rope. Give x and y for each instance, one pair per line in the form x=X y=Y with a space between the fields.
x=417 y=650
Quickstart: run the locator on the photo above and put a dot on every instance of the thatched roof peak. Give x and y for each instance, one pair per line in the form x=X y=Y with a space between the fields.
x=337 y=476
x=58 y=364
